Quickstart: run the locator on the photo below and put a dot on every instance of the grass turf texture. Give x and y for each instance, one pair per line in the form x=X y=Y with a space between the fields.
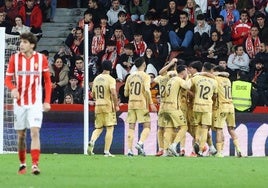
x=98 y=171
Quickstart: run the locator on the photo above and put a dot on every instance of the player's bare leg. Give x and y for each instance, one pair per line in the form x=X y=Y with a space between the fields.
x=130 y=138
x=160 y=140
x=219 y=139
x=212 y=149
x=35 y=149
x=179 y=136
x=232 y=133
x=22 y=151
x=95 y=135
x=144 y=135
x=203 y=138
x=108 y=141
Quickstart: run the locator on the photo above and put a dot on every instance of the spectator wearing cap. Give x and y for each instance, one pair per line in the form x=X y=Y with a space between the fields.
x=120 y=39
x=127 y=26
x=74 y=89
x=230 y=14
x=241 y=28
x=59 y=77
x=201 y=32
x=112 y=13
x=159 y=47
x=137 y=9
x=140 y=45
x=182 y=36
x=193 y=10
x=259 y=79
x=262 y=26
x=125 y=63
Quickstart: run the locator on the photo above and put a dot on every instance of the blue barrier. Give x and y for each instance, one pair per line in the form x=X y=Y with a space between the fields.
x=62 y=132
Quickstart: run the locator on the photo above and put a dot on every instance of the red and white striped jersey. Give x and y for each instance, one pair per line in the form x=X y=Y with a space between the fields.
x=27 y=73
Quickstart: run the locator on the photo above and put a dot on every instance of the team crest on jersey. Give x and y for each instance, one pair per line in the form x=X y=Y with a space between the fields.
x=35 y=65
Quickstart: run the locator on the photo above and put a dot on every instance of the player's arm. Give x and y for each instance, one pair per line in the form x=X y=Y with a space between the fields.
x=207 y=74
x=215 y=92
x=114 y=98
x=225 y=74
x=126 y=89
x=48 y=91
x=9 y=77
x=149 y=94
x=170 y=64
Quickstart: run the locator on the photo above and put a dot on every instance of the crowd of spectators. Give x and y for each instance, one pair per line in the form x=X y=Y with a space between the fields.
x=230 y=33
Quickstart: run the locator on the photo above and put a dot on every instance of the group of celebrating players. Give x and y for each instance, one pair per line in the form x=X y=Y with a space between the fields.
x=196 y=99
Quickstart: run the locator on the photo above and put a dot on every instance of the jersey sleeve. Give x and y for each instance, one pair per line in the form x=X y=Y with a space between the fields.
x=10 y=73
x=45 y=67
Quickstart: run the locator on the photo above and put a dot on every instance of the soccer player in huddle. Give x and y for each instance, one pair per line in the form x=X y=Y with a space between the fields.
x=106 y=106
x=173 y=115
x=28 y=67
x=137 y=88
x=162 y=80
x=205 y=91
x=225 y=113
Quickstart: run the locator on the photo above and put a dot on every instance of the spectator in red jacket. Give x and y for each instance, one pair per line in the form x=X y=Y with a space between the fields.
x=32 y=16
x=241 y=28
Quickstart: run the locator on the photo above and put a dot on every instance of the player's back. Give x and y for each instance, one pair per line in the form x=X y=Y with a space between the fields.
x=204 y=88
x=102 y=86
x=162 y=81
x=224 y=94
x=137 y=84
x=172 y=91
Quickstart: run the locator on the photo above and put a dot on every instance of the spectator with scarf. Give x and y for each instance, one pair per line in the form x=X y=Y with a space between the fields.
x=252 y=42
x=193 y=10
x=75 y=41
x=230 y=14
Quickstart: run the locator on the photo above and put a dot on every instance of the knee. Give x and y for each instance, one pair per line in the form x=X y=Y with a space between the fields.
x=34 y=134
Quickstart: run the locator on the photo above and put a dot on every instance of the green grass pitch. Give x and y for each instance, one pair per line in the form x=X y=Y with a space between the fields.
x=75 y=171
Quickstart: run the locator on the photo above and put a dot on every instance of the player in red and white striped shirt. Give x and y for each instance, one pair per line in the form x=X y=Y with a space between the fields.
x=28 y=68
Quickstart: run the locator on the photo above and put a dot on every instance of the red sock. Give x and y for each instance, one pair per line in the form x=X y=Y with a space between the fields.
x=22 y=156
x=35 y=153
